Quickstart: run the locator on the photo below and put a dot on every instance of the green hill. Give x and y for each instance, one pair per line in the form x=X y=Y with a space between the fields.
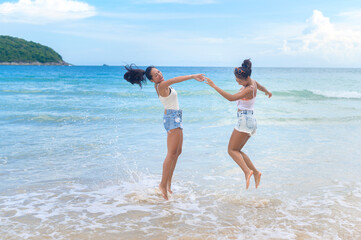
x=17 y=51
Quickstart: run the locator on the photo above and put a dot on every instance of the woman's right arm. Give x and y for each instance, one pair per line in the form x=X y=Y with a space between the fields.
x=163 y=86
x=263 y=89
x=166 y=84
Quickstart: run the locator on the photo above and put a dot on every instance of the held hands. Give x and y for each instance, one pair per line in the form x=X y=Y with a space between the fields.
x=202 y=77
x=199 y=77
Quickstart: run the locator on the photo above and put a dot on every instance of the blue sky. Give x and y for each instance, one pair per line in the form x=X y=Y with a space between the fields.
x=191 y=32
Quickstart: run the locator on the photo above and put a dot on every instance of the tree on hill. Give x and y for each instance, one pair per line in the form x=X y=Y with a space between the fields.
x=17 y=50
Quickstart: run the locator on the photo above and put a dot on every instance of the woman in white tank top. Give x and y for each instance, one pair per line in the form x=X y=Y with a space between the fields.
x=172 y=115
x=247 y=124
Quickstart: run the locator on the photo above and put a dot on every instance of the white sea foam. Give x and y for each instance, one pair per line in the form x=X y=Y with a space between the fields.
x=137 y=208
x=3 y=160
x=338 y=94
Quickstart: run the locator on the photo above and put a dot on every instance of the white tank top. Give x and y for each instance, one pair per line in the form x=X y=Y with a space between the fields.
x=246 y=104
x=170 y=102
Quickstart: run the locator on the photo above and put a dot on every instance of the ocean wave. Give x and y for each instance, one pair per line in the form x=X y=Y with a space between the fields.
x=319 y=94
x=207 y=92
x=338 y=94
x=105 y=93
x=309 y=94
x=68 y=119
x=46 y=118
x=274 y=121
x=308 y=120
x=61 y=92
x=22 y=91
x=155 y=117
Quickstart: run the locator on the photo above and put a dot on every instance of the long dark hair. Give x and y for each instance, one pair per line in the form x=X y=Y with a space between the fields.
x=135 y=75
x=245 y=70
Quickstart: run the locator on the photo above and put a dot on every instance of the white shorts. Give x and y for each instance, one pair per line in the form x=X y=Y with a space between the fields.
x=246 y=122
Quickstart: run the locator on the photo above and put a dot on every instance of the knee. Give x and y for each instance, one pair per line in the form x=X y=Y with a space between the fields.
x=172 y=154
x=231 y=151
x=179 y=152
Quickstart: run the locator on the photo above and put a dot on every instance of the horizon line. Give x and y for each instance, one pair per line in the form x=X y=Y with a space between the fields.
x=107 y=65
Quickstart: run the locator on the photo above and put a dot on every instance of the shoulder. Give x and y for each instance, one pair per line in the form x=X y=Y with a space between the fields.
x=250 y=87
x=162 y=85
x=253 y=85
x=164 y=88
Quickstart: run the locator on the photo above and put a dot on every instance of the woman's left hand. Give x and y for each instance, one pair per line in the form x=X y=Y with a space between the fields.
x=210 y=82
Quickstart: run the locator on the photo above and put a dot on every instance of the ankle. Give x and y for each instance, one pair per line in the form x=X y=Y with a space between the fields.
x=248 y=172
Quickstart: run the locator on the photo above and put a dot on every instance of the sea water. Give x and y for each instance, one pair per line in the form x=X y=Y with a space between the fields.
x=81 y=153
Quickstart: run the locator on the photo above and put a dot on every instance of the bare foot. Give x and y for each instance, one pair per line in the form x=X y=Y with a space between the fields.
x=257 y=178
x=163 y=190
x=248 y=177
x=169 y=190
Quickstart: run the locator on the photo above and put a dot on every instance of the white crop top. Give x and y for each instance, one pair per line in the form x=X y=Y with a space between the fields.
x=246 y=104
x=170 y=102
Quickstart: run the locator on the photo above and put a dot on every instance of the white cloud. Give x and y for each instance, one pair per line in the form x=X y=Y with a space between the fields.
x=322 y=38
x=193 y=2
x=352 y=15
x=45 y=11
x=155 y=16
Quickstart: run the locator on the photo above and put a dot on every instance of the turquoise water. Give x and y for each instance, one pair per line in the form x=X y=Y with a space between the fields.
x=81 y=152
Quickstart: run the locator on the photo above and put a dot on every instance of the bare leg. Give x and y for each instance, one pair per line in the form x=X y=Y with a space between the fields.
x=179 y=151
x=236 y=143
x=256 y=173
x=172 y=146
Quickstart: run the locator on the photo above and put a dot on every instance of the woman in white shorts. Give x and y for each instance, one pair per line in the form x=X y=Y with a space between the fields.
x=247 y=124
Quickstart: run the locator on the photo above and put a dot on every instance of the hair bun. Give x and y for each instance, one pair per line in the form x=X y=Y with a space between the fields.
x=246 y=68
x=247 y=64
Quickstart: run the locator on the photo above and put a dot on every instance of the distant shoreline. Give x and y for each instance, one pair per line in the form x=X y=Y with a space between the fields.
x=35 y=64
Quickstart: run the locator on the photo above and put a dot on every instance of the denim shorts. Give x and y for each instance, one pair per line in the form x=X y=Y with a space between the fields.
x=172 y=119
x=246 y=122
